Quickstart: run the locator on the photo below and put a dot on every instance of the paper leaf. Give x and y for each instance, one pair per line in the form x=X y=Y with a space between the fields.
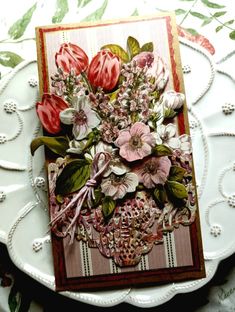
x=73 y=177
x=14 y=299
x=57 y=145
x=232 y=35
x=9 y=59
x=218 y=28
x=198 y=15
x=207 y=21
x=160 y=194
x=147 y=47
x=179 y=11
x=18 y=28
x=176 y=174
x=83 y=3
x=162 y=150
x=177 y=189
x=108 y=206
x=133 y=46
x=218 y=14
x=98 y=14
x=118 y=50
x=169 y=113
x=61 y=10
x=135 y=13
x=192 y=31
x=212 y=5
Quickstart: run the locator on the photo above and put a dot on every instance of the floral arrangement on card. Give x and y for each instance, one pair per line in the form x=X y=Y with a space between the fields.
x=121 y=175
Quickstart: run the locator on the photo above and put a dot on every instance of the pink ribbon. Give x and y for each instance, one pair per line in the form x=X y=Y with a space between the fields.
x=87 y=192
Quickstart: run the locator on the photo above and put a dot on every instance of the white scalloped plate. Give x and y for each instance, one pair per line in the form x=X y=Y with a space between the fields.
x=24 y=217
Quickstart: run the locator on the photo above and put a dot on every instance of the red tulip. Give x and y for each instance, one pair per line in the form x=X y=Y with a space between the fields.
x=104 y=70
x=49 y=110
x=71 y=57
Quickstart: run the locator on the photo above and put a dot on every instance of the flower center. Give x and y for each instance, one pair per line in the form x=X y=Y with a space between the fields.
x=136 y=141
x=80 y=117
x=151 y=168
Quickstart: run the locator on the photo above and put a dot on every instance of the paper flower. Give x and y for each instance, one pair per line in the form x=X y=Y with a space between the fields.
x=48 y=111
x=81 y=116
x=185 y=143
x=117 y=186
x=153 y=171
x=135 y=143
x=173 y=100
x=166 y=135
x=71 y=58
x=104 y=70
x=116 y=166
x=155 y=67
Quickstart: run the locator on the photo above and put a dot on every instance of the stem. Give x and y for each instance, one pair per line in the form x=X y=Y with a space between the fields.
x=87 y=82
x=187 y=13
x=7 y=40
x=221 y=23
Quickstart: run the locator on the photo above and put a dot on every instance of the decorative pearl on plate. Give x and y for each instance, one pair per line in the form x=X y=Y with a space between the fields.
x=3 y=138
x=186 y=69
x=228 y=108
x=33 y=82
x=215 y=230
x=2 y=196
x=231 y=201
x=39 y=182
x=10 y=106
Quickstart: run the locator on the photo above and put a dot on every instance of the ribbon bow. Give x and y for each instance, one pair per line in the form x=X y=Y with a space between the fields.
x=87 y=192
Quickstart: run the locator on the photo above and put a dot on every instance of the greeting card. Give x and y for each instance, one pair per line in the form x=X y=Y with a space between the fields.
x=121 y=184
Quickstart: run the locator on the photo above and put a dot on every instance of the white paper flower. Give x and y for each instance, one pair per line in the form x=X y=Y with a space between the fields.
x=81 y=116
x=115 y=166
x=117 y=186
x=185 y=143
x=171 y=99
x=166 y=135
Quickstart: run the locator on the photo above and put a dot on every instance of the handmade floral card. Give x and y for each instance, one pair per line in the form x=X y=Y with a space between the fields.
x=121 y=184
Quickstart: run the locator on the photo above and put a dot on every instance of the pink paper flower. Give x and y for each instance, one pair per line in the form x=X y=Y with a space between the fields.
x=153 y=171
x=117 y=186
x=135 y=143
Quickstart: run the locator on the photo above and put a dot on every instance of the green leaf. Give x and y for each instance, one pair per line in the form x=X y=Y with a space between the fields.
x=212 y=5
x=229 y=22
x=98 y=14
x=133 y=46
x=83 y=3
x=73 y=177
x=177 y=189
x=162 y=150
x=169 y=113
x=9 y=59
x=18 y=28
x=118 y=50
x=218 y=28
x=192 y=31
x=14 y=299
x=176 y=174
x=62 y=9
x=232 y=35
x=98 y=196
x=198 y=15
x=218 y=14
x=207 y=21
x=108 y=206
x=135 y=13
x=147 y=47
x=160 y=194
x=180 y=11
x=57 y=145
